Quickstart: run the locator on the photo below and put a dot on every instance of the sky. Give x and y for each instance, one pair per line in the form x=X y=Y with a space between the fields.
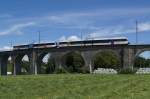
x=65 y=20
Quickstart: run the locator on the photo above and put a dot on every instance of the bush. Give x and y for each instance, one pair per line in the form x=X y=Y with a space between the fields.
x=127 y=71
x=106 y=59
x=73 y=62
x=60 y=71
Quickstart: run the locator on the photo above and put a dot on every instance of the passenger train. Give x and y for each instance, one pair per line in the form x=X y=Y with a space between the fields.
x=104 y=41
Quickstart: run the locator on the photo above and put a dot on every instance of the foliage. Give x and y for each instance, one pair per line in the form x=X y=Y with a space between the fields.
x=49 y=67
x=74 y=62
x=61 y=71
x=141 y=62
x=106 y=59
x=9 y=67
x=25 y=67
x=127 y=71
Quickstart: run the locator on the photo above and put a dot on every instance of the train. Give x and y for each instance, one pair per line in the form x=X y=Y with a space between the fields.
x=28 y=46
x=103 y=41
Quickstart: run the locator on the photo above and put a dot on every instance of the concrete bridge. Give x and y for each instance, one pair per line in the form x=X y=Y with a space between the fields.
x=126 y=54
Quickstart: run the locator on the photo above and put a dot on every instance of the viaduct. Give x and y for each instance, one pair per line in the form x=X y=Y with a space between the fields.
x=126 y=54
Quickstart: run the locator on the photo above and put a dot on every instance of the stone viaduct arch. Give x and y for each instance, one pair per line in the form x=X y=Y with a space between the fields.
x=18 y=62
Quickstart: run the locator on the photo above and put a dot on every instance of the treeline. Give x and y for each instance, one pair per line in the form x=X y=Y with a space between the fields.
x=141 y=62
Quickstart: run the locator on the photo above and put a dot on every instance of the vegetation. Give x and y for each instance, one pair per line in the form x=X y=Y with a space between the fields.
x=106 y=59
x=49 y=67
x=75 y=86
x=61 y=71
x=127 y=71
x=9 y=66
x=142 y=62
x=73 y=62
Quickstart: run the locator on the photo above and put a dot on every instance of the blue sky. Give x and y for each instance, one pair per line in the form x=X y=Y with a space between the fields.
x=57 y=20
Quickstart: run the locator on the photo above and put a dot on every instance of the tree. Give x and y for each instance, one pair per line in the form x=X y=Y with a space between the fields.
x=141 y=62
x=50 y=68
x=9 y=66
x=106 y=59
x=74 y=62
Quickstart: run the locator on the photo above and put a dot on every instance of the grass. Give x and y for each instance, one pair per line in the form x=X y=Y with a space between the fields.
x=75 y=86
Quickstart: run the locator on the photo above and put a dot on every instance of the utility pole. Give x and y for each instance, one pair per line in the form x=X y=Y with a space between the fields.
x=136 y=32
x=11 y=45
x=12 y=58
x=39 y=37
x=35 y=65
x=81 y=36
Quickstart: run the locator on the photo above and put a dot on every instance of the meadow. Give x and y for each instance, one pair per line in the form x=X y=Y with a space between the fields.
x=75 y=86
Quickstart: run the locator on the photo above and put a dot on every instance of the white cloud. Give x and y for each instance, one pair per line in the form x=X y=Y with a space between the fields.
x=16 y=29
x=83 y=16
x=119 y=30
x=110 y=31
x=70 y=38
x=63 y=38
x=89 y=20
x=6 y=48
x=82 y=20
x=73 y=38
x=144 y=27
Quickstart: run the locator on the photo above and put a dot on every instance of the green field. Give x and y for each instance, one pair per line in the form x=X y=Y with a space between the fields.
x=75 y=86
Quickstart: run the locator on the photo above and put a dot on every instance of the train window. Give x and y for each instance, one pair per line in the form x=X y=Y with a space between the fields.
x=30 y=45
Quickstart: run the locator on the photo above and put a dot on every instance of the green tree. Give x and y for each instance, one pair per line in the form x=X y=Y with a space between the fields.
x=148 y=62
x=106 y=59
x=141 y=62
x=49 y=67
x=74 y=62
x=9 y=66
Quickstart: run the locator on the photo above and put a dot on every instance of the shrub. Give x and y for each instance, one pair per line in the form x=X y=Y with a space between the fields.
x=61 y=71
x=127 y=71
x=106 y=59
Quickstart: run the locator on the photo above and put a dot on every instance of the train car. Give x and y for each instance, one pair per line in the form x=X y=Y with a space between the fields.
x=104 y=41
x=112 y=41
x=44 y=45
x=41 y=45
x=21 y=47
x=72 y=43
